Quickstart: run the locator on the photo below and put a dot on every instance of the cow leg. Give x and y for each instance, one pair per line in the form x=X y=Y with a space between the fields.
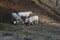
x=29 y=24
x=32 y=23
x=37 y=22
x=12 y=19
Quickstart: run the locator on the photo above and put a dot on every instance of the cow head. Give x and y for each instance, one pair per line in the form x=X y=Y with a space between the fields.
x=26 y=20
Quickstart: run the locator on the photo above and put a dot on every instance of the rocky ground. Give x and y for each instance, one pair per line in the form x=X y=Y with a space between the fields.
x=34 y=32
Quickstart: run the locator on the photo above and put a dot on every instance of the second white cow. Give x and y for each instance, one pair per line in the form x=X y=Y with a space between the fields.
x=32 y=19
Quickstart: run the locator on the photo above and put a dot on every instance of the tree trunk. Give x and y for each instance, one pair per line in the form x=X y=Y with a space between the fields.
x=57 y=2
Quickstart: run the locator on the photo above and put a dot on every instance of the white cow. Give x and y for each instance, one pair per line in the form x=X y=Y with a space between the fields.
x=17 y=18
x=25 y=14
x=32 y=19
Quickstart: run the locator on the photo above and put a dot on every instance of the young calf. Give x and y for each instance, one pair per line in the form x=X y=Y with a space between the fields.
x=32 y=19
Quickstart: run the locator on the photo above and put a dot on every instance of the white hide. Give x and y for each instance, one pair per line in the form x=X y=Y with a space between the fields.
x=17 y=18
x=31 y=19
x=26 y=14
